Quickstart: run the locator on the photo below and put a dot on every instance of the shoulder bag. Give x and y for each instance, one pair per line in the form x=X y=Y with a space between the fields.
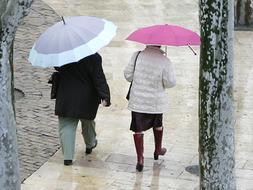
x=54 y=80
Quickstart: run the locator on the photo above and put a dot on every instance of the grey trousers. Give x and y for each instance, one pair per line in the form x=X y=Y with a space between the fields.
x=67 y=134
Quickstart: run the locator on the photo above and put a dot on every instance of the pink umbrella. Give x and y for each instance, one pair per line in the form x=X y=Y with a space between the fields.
x=169 y=35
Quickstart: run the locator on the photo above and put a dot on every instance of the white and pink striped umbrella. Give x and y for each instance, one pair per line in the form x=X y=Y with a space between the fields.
x=71 y=40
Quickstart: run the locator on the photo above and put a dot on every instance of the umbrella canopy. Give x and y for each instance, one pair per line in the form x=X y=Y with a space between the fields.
x=71 y=40
x=170 y=35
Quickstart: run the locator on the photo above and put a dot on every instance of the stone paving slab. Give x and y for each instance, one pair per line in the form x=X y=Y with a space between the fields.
x=37 y=128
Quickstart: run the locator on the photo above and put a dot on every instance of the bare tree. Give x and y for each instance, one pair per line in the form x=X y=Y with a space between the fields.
x=11 y=12
x=244 y=13
x=216 y=111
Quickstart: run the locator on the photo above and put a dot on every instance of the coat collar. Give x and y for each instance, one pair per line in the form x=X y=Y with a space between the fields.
x=155 y=48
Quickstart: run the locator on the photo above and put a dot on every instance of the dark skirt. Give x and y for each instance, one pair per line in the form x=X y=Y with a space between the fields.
x=144 y=121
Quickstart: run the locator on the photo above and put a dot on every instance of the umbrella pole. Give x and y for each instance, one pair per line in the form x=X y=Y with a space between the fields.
x=192 y=50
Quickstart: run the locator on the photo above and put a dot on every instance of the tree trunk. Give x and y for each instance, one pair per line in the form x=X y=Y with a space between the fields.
x=216 y=111
x=11 y=12
x=244 y=13
x=12 y=78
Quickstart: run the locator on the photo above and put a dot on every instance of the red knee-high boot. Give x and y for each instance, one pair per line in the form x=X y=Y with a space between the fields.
x=138 y=141
x=158 y=136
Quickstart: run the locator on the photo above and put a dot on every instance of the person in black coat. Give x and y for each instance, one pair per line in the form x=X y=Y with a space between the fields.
x=81 y=89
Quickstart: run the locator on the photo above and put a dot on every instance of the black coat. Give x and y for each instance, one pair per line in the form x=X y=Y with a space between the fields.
x=82 y=87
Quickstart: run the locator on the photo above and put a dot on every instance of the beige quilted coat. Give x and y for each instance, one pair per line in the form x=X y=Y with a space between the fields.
x=153 y=74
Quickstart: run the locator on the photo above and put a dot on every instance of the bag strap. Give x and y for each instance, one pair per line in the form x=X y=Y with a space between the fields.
x=136 y=60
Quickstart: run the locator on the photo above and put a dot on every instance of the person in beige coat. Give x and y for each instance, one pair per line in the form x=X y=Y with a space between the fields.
x=150 y=72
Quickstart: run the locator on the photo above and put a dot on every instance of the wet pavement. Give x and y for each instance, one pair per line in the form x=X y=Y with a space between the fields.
x=112 y=163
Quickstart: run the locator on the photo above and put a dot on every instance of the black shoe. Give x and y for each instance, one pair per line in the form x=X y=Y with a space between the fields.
x=139 y=167
x=68 y=162
x=89 y=150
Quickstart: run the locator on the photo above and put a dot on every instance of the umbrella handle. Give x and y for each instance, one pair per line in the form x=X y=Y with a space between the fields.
x=192 y=49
